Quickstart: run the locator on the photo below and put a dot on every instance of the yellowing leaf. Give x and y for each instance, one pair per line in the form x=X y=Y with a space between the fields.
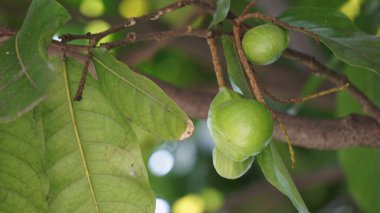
x=141 y=100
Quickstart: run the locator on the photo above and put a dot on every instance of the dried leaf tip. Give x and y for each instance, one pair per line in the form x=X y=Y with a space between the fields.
x=188 y=131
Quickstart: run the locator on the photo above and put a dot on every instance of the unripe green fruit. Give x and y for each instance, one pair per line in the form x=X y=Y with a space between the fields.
x=264 y=44
x=228 y=168
x=239 y=127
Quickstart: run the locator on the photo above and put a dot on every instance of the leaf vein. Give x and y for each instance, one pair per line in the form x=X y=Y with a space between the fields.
x=77 y=137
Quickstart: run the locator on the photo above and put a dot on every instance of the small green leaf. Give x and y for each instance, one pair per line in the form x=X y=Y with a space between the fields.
x=93 y=159
x=140 y=100
x=24 y=66
x=235 y=71
x=23 y=184
x=276 y=173
x=339 y=34
x=222 y=8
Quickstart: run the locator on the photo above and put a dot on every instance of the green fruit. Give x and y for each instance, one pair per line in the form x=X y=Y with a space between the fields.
x=228 y=168
x=240 y=128
x=264 y=44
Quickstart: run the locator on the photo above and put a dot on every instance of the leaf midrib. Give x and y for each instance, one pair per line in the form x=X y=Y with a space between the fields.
x=77 y=137
x=23 y=68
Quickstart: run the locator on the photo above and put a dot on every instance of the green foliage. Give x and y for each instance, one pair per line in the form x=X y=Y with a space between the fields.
x=222 y=8
x=59 y=155
x=25 y=69
x=339 y=34
x=23 y=182
x=140 y=100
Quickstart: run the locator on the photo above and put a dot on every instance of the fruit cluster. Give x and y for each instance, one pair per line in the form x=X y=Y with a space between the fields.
x=240 y=128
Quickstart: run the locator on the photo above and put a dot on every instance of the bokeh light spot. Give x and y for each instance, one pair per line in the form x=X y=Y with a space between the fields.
x=92 y=8
x=351 y=8
x=212 y=198
x=189 y=204
x=162 y=206
x=161 y=162
x=133 y=8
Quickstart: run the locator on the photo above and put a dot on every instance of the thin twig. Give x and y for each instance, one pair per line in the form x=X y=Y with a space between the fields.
x=287 y=139
x=249 y=6
x=339 y=79
x=82 y=82
x=306 y=98
x=216 y=61
x=133 y=37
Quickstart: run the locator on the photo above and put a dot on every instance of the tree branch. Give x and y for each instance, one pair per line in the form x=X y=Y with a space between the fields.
x=133 y=37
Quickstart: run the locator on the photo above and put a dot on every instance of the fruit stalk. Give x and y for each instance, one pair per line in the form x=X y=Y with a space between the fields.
x=216 y=61
x=248 y=71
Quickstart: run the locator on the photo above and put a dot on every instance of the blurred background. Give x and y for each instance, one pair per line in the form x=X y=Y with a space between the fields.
x=181 y=173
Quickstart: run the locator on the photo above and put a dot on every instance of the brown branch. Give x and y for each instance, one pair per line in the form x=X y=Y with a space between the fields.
x=339 y=79
x=82 y=82
x=249 y=6
x=133 y=37
x=329 y=134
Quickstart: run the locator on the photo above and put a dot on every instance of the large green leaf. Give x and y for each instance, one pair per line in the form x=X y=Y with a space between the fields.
x=221 y=11
x=142 y=101
x=339 y=34
x=269 y=160
x=276 y=173
x=235 y=71
x=24 y=67
x=93 y=160
x=361 y=165
x=23 y=184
